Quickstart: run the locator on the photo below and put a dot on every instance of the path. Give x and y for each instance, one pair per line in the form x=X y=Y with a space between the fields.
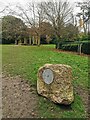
x=19 y=98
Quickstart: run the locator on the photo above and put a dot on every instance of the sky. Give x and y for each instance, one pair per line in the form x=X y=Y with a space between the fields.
x=3 y=3
x=25 y=1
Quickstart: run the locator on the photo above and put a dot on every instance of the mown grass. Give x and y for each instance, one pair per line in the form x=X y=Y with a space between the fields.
x=25 y=61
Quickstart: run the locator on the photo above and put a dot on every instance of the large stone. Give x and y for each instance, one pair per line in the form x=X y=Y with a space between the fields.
x=55 y=83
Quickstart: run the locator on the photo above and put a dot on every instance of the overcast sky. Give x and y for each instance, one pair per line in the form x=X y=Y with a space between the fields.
x=4 y=2
x=24 y=2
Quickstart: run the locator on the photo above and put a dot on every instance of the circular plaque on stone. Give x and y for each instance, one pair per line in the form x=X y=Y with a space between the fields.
x=47 y=76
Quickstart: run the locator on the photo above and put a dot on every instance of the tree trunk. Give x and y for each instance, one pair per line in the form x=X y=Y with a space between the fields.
x=29 y=40
x=33 y=40
x=58 y=42
x=20 y=42
x=57 y=45
x=16 y=42
x=38 y=41
x=25 y=42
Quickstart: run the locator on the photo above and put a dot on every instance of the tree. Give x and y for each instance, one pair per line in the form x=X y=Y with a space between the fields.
x=31 y=15
x=46 y=31
x=71 y=32
x=84 y=15
x=13 y=29
x=59 y=14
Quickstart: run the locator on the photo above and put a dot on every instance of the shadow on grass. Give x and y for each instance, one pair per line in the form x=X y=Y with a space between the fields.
x=49 y=103
x=64 y=107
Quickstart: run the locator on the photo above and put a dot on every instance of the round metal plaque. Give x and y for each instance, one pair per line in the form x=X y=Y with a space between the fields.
x=47 y=76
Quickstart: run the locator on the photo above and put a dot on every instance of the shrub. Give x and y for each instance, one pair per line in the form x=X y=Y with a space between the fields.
x=73 y=46
x=70 y=47
x=86 y=48
x=6 y=41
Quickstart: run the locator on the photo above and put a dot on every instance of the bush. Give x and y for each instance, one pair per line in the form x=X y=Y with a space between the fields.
x=86 y=48
x=5 y=41
x=73 y=46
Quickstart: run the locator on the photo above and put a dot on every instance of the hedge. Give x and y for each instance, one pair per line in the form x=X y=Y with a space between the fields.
x=5 y=41
x=70 y=47
x=86 y=48
x=74 y=46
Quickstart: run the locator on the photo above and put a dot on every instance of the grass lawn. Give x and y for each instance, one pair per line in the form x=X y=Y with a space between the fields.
x=26 y=60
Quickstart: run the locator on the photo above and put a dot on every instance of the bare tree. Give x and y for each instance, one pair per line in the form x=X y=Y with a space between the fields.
x=59 y=14
x=84 y=15
x=32 y=16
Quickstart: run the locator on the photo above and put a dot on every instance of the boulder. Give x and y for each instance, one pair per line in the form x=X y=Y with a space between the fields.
x=54 y=81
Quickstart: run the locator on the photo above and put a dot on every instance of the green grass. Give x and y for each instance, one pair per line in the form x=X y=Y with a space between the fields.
x=26 y=60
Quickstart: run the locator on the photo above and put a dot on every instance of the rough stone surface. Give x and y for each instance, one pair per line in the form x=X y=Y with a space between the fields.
x=61 y=89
